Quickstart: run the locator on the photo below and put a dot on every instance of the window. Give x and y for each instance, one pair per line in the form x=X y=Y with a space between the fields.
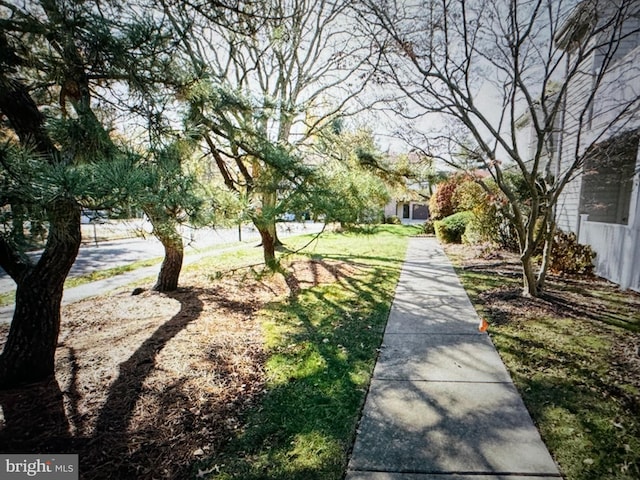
x=608 y=180
x=420 y=212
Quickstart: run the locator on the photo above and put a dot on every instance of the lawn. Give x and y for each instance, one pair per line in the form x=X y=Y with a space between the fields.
x=574 y=355
x=237 y=375
x=321 y=346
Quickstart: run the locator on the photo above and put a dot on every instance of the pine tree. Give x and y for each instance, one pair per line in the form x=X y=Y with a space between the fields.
x=56 y=59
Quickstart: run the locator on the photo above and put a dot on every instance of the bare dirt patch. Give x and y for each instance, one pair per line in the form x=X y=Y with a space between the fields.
x=147 y=384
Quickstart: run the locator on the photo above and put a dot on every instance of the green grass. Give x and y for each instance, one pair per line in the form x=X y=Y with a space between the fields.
x=566 y=370
x=223 y=262
x=321 y=348
x=7 y=298
x=109 y=272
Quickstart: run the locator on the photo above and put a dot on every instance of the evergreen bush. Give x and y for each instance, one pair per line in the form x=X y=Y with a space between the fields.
x=428 y=227
x=452 y=228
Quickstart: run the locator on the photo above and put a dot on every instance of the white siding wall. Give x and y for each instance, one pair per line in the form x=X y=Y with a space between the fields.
x=525 y=138
x=604 y=120
x=617 y=250
x=391 y=209
x=619 y=86
x=572 y=147
x=567 y=214
x=617 y=246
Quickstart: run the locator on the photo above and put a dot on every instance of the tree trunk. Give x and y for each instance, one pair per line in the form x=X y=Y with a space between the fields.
x=547 y=252
x=173 y=256
x=525 y=241
x=265 y=223
x=530 y=286
x=29 y=354
x=274 y=233
x=269 y=201
x=268 y=247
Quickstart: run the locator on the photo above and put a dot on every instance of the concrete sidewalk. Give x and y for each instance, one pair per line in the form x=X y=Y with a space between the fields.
x=441 y=403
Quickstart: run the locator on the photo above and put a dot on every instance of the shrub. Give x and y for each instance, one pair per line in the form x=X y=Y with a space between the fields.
x=570 y=257
x=471 y=196
x=371 y=215
x=428 y=227
x=451 y=229
x=393 y=220
x=442 y=203
x=490 y=207
x=489 y=222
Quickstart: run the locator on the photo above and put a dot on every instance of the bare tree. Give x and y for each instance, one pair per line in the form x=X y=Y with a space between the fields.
x=489 y=70
x=269 y=76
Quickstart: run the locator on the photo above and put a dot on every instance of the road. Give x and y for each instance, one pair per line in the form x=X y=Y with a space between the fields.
x=123 y=252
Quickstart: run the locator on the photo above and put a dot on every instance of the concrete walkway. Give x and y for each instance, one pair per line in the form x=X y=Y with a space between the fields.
x=442 y=405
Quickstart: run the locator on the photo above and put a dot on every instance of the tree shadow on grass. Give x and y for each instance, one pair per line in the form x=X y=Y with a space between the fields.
x=564 y=357
x=579 y=400
x=571 y=297
x=501 y=303
x=328 y=338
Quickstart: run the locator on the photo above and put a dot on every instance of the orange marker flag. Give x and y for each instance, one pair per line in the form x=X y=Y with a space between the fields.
x=483 y=326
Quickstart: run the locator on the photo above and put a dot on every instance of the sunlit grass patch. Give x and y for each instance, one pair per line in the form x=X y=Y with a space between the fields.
x=564 y=371
x=321 y=345
x=7 y=298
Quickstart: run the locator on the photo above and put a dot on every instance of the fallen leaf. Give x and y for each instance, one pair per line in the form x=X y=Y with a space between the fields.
x=484 y=325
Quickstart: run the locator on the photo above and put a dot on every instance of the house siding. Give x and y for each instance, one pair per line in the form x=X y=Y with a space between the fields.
x=574 y=114
x=418 y=211
x=617 y=245
x=568 y=206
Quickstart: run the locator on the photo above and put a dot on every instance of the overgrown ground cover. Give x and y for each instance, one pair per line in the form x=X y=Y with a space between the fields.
x=574 y=355
x=237 y=375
